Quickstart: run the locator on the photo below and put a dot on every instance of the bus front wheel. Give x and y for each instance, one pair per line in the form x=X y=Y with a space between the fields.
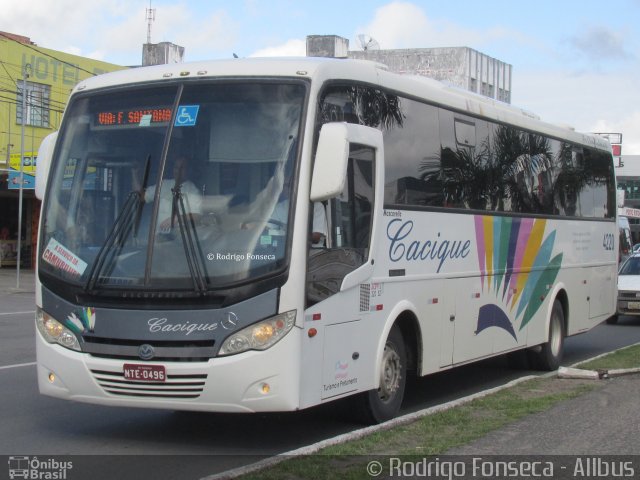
x=382 y=404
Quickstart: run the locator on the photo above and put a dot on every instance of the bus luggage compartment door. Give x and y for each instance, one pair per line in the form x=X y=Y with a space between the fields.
x=340 y=366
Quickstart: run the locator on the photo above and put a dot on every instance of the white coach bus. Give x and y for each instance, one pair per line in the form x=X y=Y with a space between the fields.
x=325 y=227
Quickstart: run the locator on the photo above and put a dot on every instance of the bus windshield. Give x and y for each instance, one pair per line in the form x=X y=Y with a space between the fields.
x=177 y=187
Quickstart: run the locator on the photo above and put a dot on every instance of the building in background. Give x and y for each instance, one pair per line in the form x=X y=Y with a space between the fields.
x=462 y=67
x=161 y=53
x=50 y=76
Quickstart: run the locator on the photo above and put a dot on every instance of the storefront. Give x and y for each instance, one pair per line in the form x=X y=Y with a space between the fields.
x=9 y=208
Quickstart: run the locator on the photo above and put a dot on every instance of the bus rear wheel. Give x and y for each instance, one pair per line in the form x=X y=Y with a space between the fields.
x=377 y=406
x=549 y=355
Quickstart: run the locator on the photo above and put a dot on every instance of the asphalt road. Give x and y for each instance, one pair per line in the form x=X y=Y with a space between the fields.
x=36 y=425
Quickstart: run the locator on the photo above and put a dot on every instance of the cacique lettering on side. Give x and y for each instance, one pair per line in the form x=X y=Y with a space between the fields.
x=403 y=247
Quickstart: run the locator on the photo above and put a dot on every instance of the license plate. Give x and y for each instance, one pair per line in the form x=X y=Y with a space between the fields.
x=633 y=305
x=145 y=373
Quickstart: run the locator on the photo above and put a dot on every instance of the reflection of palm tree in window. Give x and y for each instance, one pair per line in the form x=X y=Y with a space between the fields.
x=522 y=167
x=362 y=105
x=510 y=171
x=571 y=180
x=512 y=148
x=462 y=174
x=376 y=108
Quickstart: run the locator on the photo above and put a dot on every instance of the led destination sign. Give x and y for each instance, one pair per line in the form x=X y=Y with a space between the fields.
x=142 y=117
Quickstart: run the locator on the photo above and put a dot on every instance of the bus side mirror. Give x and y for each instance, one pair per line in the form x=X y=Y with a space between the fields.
x=332 y=156
x=43 y=163
x=330 y=167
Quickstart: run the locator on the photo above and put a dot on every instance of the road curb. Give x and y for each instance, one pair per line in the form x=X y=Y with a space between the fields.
x=399 y=421
x=578 y=373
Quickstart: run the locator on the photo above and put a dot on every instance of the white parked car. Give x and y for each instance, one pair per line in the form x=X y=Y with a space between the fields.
x=628 y=288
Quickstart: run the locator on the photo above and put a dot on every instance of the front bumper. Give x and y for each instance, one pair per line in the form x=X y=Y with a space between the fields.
x=628 y=303
x=255 y=381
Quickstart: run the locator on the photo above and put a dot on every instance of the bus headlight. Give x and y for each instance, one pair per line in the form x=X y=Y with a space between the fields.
x=259 y=336
x=55 y=332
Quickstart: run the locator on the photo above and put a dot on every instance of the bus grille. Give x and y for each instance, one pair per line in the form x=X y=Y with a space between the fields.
x=176 y=386
x=191 y=351
x=631 y=295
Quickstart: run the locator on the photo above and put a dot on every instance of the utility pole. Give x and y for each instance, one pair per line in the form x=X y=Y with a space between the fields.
x=25 y=75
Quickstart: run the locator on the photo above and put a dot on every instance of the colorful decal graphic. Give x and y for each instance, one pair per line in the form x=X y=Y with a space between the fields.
x=342 y=370
x=82 y=320
x=342 y=381
x=518 y=256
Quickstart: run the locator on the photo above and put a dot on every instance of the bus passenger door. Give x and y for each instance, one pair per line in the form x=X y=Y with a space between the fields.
x=338 y=273
x=346 y=251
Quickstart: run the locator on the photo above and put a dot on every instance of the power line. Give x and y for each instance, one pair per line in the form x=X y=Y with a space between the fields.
x=43 y=105
x=58 y=92
x=18 y=70
x=46 y=54
x=8 y=74
x=48 y=101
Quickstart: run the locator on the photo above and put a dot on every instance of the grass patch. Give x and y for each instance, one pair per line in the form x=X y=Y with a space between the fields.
x=624 y=358
x=437 y=433
x=430 y=435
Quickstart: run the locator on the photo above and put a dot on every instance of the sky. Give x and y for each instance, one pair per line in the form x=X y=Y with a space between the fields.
x=575 y=62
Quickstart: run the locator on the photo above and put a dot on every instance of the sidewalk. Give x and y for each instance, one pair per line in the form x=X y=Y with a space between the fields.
x=9 y=280
x=604 y=421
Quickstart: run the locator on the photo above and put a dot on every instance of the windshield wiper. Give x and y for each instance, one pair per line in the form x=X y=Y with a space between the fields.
x=192 y=249
x=128 y=218
x=118 y=234
x=143 y=187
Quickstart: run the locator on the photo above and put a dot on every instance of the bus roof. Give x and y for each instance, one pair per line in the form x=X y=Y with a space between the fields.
x=319 y=70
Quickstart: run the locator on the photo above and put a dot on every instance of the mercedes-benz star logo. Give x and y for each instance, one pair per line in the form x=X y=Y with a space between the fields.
x=146 y=352
x=230 y=321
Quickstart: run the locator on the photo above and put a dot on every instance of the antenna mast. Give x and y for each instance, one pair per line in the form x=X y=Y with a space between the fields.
x=151 y=16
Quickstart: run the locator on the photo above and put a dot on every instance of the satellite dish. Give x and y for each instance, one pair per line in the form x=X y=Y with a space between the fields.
x=365 y=42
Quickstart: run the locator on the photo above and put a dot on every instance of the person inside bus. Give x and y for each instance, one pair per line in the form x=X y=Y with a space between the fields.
x=167 y=214
x=319 y=228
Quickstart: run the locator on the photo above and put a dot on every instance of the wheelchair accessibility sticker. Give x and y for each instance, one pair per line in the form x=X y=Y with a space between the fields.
x=187 y=115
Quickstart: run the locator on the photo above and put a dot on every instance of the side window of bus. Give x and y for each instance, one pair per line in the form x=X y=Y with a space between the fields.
x=466 y=167
x=349 y=219
x=351 y=212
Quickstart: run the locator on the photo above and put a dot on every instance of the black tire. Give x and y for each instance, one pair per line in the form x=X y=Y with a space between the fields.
x=382 y=404
x=549 y=355
x=612 y=320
